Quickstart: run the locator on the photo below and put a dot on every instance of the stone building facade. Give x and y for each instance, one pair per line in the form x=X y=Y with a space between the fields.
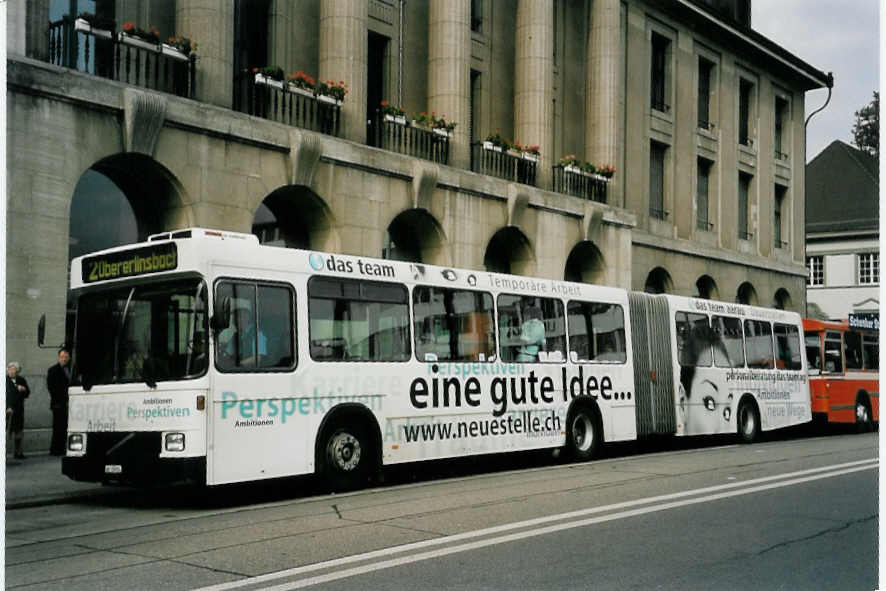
x=701 y=118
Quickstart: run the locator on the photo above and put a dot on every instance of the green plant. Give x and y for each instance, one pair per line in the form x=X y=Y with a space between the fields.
x=536 y=150
x=571 y=160
x=387 y=108
x=98 y=22
x=336 y=90
x=301 y=80
x=183 y=44
x=496 y=140
x=151 y=36
x=442 y=123
x=607 y=170
x=272 y=72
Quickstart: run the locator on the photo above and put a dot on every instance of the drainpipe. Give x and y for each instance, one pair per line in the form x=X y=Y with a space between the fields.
x=830 y=86
x=400 y=56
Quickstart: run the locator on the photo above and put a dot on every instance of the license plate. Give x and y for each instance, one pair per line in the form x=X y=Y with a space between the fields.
x=113 y=469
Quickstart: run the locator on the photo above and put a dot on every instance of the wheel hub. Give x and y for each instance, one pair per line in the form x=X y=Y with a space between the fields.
x=345 y=452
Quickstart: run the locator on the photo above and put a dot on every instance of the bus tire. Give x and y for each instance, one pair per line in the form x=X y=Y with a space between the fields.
x=864 y=422
x=346 y=456
x=584 y=435
x=748 y=421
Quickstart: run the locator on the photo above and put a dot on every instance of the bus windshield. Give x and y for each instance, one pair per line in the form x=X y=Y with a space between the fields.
x=144 y=333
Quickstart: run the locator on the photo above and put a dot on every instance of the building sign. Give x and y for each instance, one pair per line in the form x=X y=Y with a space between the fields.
x=867 y=321
x=129 y=263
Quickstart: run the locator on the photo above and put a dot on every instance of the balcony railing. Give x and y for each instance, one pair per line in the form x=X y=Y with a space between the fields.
x=109 y=55
x=499 y=162
x=572 y=181
x=283 y=103
x=396 y=135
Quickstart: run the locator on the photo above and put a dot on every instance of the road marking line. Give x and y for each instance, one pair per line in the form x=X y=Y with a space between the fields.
x=751 y=486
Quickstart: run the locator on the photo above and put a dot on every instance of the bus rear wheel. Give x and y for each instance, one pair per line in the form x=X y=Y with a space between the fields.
x=346 y=458
x=748 y=422
x=583 y=434
x=864 y=423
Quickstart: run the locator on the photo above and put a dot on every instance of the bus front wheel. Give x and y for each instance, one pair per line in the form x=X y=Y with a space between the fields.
x=863 y=420
x=748 y=422
x=346 y=458
x=583 y=434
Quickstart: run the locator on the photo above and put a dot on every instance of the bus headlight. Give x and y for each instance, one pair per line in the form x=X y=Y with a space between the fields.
x=175 y=442
x=76 y=442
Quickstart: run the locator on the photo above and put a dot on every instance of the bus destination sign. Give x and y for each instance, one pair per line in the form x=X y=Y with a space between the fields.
x=130 y=263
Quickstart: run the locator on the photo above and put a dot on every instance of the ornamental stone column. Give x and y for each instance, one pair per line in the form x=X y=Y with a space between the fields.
x=343 y=57
x=449 y=71
x=533 y=88
x=211 y=26
x=603 y=86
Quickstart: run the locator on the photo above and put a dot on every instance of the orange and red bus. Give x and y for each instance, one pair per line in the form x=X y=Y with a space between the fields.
x=844 y=369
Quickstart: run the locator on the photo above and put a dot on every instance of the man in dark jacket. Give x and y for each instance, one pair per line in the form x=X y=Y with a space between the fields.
x=16 y=392
x=57 y=379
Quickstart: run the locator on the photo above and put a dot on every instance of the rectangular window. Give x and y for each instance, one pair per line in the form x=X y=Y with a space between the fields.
x=656 y=180
x=813 y=351
x=352 y=320
x=531 y=329
x=453 y=324
x=815 y=269
x=758 y=344
x=781 y=123
x=777 y=222
x=745 y=88
x=660 y=45
x=477 y=16
x=852 y=350
x=787 y=343
x=833 y=353
x=260 y=335
x=693 y=340
x=871 y=351
x=701 y=195
x=744 y=190
x=869 y=268
x=728 y=342
x=596 y=332
x=705 y=69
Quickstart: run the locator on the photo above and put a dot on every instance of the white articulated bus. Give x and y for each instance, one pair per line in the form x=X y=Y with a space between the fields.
x=205 y=356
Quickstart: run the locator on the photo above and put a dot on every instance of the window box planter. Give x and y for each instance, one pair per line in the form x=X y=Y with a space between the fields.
x=491 y=147
x=442 y=132
x=138 y=42
x=400 y=119
x=83 y=26
x=262 y=79
x=570 y=169
x=515 y=153
x=334 y=101
x=530 y=157
x=173 y=52
x=302 y=91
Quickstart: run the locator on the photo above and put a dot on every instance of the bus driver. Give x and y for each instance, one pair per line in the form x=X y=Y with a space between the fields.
x=237 y=343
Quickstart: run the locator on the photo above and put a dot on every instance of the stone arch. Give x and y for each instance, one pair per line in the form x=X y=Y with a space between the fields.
x=509 y=251
x=782 y=300
x=746 y=294
x=293 y=216
x=706 y=288
x=659 y=281
x=415 y=235
x=122 y=199
x=585 y=264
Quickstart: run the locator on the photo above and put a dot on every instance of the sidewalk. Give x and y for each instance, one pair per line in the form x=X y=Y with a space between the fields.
x=38 y=480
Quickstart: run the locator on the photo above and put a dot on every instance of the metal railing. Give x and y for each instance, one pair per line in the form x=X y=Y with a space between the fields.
x=499 y=162
x=400 y=136
x=106 y=54
x=580 y=184
x=280 y=102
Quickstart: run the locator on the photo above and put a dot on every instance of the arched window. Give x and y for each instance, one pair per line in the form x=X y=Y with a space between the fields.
x=585 y=264
x=509 y=251
x=746 y=294
x=658 y=281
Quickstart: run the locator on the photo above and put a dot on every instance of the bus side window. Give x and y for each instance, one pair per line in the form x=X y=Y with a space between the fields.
x=275 y=322
x=728 y=341
x=871 y=350
x=758 y=344
x=531 y=329
x=852 y=349
x=813 y=351
x=453 y=325
x=693 y=339
x=787 y=342
x=596 y=332
x=833 y=353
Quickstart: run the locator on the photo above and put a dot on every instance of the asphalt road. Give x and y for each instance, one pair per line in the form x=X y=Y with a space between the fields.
x=791 y=513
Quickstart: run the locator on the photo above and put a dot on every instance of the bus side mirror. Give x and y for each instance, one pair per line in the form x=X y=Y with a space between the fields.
x=221 y=316
x=41 y=330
